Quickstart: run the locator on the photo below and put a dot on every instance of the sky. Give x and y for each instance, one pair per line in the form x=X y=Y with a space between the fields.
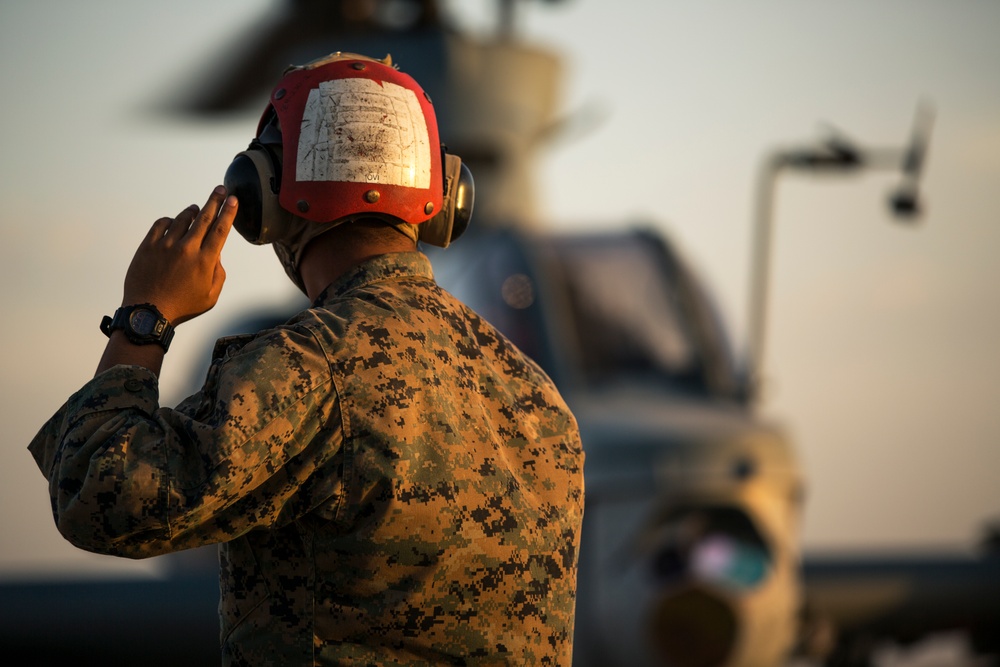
x=881 y=359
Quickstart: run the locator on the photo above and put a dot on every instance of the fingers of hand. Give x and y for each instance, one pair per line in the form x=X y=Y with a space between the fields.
x=158 y=229
x=209 y=212
x=179 y=225
x=219 y=232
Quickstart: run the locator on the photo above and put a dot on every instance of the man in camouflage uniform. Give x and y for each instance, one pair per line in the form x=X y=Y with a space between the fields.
x=390 y=480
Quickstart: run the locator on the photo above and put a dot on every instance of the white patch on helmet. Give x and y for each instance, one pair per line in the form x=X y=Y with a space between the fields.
x=360 y=131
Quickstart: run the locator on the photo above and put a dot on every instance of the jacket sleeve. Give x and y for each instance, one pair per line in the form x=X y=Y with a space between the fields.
x=259 y=445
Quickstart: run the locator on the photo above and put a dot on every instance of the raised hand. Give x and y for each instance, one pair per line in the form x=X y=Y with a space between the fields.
x=178 y=266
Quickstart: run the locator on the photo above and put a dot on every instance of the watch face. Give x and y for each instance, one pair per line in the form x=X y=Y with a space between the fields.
x=143 y=321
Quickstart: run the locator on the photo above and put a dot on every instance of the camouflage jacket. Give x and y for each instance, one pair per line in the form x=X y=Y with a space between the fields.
x=391 y=482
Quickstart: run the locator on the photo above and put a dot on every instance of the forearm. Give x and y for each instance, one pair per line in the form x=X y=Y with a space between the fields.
x=121 y=351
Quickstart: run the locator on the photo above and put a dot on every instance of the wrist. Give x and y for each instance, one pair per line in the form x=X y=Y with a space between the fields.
x=142 y=324
x=120 y=351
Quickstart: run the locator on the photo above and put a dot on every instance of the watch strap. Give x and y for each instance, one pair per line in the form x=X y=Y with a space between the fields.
x=162 y=333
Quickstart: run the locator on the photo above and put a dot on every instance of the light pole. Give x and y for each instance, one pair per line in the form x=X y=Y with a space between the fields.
x=835 y=155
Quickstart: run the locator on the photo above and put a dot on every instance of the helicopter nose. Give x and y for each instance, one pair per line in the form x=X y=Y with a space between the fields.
x=693 y=627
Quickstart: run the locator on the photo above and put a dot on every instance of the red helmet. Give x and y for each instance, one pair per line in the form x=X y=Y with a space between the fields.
x=359 y=137
x=346 y=137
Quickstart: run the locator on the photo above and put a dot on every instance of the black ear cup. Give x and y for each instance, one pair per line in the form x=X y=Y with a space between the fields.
x=465 y=195
x=254 y=178
x=242 y=180
x=456 y=211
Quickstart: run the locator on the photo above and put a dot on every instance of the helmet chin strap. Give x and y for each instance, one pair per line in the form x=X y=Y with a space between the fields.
x=289 y=261
x=411 y=232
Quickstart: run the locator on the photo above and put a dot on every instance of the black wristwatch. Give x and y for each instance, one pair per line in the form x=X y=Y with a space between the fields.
x=143 y=324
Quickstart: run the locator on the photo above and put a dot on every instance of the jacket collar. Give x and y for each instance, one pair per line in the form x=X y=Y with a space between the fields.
x=390 y=266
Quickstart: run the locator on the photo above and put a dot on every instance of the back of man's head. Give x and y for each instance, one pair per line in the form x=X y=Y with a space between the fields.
x=343 y=138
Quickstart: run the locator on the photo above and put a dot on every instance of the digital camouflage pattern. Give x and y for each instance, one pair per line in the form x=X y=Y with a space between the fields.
x=391 y=482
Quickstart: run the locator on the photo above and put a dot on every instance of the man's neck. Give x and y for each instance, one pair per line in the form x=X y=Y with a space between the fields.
x=331 y=255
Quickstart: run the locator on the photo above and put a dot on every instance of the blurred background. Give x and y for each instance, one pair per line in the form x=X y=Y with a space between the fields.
x=881 y=358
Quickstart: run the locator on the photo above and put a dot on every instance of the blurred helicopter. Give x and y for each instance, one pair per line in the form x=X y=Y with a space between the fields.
x=690 y=553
